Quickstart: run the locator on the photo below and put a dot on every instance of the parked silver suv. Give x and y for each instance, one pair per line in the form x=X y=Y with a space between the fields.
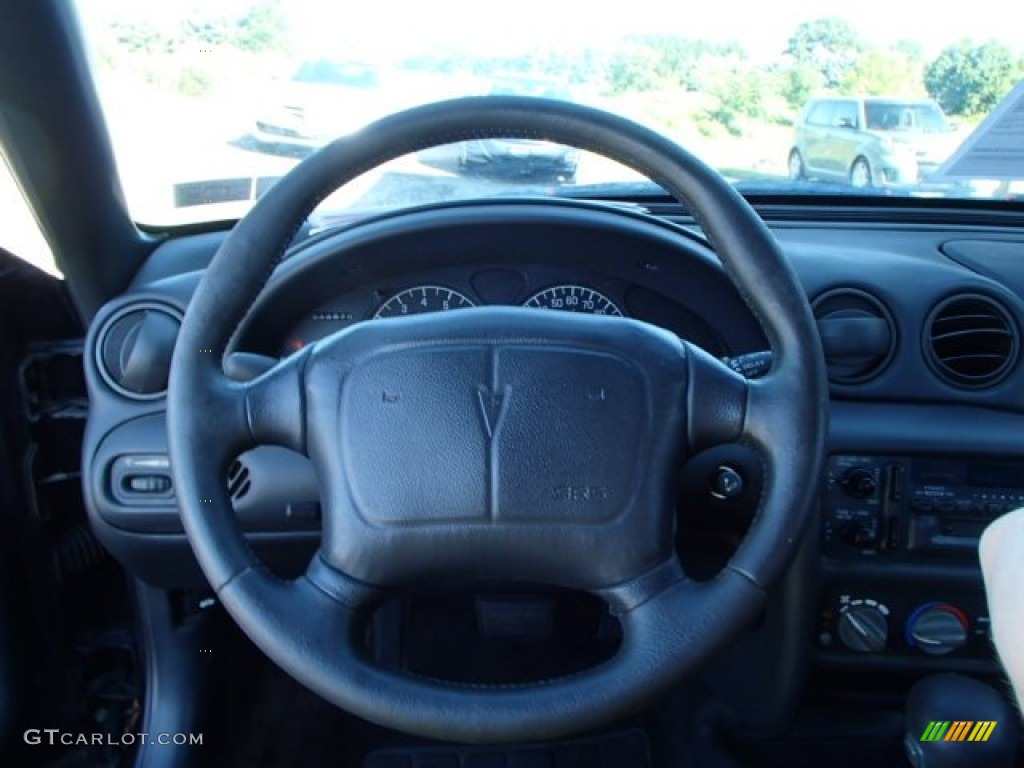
x=870 y=142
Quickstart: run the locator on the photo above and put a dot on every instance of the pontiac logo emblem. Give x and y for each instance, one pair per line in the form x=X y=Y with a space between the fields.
x=492 y=407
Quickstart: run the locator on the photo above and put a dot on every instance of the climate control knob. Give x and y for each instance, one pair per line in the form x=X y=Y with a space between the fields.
x=863 y=628
x=937 y=628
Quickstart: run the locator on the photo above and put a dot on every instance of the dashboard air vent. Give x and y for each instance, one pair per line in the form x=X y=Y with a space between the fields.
x=239 y=482
x=134 y=350
x=971 y=341
x=857 y=333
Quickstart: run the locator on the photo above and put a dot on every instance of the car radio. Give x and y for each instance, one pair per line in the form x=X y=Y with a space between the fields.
x=914 y=506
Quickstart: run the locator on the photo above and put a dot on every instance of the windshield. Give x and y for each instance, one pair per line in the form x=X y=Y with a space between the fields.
x=209 y=103
x=905 y=116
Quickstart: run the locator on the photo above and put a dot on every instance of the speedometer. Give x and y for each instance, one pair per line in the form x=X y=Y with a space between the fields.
x=574 y=298
x=423 y=298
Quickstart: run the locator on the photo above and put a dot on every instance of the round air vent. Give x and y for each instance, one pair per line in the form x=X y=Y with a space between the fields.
x=971 y=341
x=857 y=333
x=135 y=347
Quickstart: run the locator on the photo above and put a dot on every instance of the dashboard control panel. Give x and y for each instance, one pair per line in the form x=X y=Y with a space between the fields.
x=899 y=535
x=914 y=507
x=907 y=623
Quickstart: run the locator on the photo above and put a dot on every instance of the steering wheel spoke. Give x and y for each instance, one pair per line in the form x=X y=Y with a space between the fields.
x=717 y=401
x=630 y=595
x=769 y=401
x=342 y=588
x=275 y=405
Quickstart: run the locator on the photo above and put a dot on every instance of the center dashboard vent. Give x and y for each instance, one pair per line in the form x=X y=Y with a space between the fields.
x=971 y=341
x=857 y=333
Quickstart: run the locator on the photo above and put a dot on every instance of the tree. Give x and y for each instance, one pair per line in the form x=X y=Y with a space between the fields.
x=649 y=62
x=740 y=95
x=634 y=68
x=207 y=32
x=829 y=45
x=143 y=37
x=263 y=28
x=912 y=49
x=800 y=82
x=884 y=73
x=679 y=60
x=259 y=26
x=969 y=79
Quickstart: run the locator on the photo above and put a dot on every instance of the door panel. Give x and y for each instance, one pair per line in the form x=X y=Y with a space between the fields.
x=845 y=138
x=10 y=685
x=66 y=633
x=816 y=135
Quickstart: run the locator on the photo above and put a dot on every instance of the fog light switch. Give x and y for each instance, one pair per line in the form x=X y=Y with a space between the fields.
x=726 y=483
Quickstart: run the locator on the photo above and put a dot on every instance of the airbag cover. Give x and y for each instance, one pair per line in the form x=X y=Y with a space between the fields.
x=489 y=444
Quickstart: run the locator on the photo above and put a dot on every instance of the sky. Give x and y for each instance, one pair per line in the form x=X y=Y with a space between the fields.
x=763 y=27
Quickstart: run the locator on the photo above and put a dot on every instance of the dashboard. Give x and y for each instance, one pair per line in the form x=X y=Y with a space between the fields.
x=921 y=324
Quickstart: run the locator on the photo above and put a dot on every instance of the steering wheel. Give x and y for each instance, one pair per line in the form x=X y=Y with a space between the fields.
x=496 y=443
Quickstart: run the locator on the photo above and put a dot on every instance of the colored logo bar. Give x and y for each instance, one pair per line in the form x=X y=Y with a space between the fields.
x=958 y=730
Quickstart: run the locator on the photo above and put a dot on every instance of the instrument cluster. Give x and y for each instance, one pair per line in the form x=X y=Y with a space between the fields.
x=376 y=304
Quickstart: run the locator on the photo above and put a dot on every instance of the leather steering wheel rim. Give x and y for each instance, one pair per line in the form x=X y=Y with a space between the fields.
x=310 y=626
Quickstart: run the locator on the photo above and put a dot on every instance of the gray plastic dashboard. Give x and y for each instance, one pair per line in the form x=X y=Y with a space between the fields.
x=656 y=270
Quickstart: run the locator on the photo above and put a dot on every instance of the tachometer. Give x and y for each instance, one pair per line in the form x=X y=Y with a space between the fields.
x=574 y=298
x=423 y=298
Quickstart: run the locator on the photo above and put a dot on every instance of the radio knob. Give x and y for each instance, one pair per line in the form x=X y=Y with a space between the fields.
x=937 y=629
x=863 y=628
x=858 y=534
x=859 y=483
